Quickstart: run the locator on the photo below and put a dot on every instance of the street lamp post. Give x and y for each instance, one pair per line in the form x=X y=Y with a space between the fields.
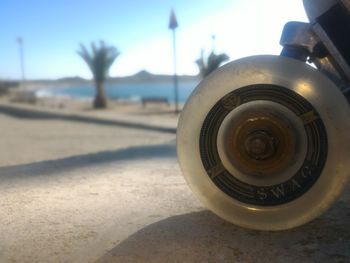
x=20 y=45
x=213 y=38
x=172 y=26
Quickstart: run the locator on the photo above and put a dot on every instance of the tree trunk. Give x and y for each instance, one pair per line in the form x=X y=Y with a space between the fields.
x=100 y=101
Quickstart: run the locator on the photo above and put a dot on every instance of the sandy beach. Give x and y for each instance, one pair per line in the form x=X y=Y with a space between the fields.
x=80 y=185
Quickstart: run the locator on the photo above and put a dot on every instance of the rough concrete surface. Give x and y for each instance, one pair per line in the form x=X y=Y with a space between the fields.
x=88 y=192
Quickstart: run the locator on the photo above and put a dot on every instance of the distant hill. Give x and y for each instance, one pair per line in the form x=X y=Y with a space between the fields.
x=76 y=79
x=145 y=76
x=141 y=77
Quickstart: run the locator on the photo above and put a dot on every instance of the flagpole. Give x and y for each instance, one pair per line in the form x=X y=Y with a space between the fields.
x=176 y=83
x=173 y=25
x=20 y=45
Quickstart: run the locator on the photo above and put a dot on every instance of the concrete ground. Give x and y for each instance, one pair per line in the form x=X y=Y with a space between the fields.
x=82 y=190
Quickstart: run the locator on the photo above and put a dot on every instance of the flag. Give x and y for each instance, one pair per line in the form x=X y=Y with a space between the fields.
x=173 y=22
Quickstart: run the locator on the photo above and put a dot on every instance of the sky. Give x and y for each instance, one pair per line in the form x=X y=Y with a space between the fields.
x=52 y=31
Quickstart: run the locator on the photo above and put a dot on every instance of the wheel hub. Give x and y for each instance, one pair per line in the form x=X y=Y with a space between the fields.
x=262 y=143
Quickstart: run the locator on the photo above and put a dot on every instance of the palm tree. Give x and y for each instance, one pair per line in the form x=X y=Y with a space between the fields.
x=213 y=62
x=99 y=60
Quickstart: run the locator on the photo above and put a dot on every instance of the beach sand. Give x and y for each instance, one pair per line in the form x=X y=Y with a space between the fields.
x=84 y=185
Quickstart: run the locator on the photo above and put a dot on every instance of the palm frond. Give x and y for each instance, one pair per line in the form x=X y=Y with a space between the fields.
x=211 y=63
x=99 y=59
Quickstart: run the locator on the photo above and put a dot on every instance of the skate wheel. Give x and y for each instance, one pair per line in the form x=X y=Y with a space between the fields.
x=263 y=142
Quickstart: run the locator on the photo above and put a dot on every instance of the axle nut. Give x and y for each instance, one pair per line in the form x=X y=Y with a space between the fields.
x=260 y=145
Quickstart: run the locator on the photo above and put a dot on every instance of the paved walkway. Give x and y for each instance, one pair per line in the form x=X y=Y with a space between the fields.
x=75 y=191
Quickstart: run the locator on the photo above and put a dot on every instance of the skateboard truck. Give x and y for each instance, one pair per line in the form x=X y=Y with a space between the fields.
x=325 y=41
x=263 y=141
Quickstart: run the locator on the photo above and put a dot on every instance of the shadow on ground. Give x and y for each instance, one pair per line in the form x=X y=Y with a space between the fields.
x=145 y=152
x=155 y=111
x=43 y=115
x=203 y=237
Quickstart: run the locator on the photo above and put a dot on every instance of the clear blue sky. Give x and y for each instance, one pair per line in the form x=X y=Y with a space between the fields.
x=53 y=29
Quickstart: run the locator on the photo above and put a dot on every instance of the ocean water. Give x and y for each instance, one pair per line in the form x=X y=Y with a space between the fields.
x=124 y=91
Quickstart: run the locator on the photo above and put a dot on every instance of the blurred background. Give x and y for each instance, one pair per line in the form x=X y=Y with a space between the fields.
x=40 y=39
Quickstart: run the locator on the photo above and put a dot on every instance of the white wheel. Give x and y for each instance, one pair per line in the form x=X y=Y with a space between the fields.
x=264 y=141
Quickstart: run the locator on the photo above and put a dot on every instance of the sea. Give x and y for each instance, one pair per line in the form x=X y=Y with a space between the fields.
x=122 y=91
